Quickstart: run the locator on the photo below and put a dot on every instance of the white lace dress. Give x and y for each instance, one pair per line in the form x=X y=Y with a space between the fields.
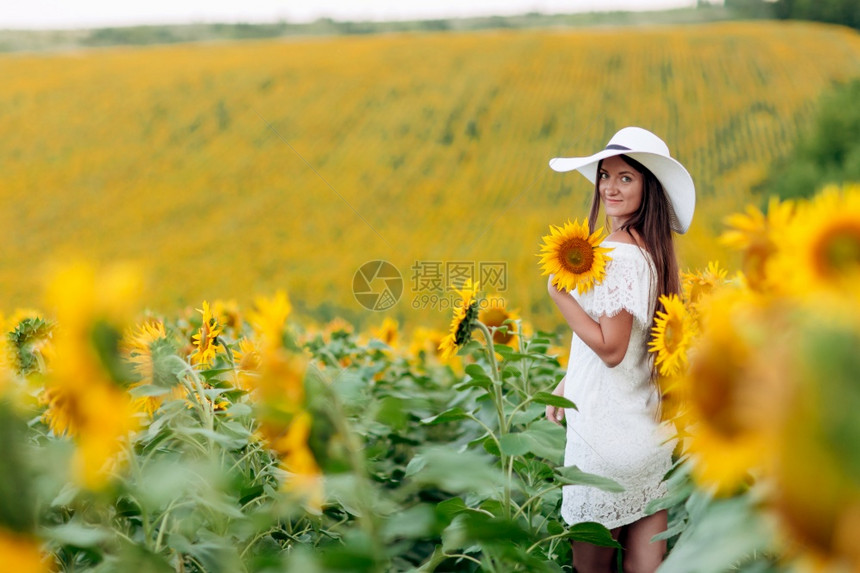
x=614 y=432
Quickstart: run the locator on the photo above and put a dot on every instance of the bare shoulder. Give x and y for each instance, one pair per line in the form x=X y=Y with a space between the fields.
x=622 y=236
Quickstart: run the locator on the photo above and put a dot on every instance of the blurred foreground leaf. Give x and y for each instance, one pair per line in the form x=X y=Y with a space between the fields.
x=17 y=506
x=725 y=532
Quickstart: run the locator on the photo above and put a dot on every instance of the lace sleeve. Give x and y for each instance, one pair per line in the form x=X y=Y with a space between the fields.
x=628 y=285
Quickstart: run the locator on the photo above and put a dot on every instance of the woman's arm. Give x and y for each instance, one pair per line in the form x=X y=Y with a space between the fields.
x=608 y=337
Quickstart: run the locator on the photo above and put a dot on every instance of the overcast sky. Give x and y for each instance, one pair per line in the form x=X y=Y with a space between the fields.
x=87 y=13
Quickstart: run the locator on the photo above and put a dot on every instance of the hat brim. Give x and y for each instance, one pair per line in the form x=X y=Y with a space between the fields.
x=674 y=177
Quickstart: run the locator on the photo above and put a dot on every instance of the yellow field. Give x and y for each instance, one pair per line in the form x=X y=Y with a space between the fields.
x=231 y=170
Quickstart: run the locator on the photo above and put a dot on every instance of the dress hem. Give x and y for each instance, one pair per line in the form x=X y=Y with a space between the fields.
x=621 y=522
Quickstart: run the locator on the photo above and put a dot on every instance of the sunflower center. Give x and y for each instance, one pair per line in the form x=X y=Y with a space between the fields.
x=755 y=259
x=65 y=412
x=838 y=250
x=718 y=377
x=577 y=255
x=673 y=335
x=494 y=317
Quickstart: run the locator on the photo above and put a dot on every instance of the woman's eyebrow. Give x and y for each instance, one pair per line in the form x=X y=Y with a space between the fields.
x=624 y=172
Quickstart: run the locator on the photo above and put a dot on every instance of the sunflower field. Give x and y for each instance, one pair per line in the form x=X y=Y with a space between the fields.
x=292 y=163
x=187 y=384
x=234 y=439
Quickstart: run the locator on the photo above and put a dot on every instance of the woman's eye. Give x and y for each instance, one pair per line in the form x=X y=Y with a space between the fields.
x=626 y=179
x=604 y=175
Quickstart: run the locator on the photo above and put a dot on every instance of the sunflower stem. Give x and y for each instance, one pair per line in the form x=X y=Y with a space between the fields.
x=355 y=456
x=229 y=353
x=220 y=340
x=521 y=346
x=206 y=408
x=163 y=525
x=494 y=368
x=137 y=476
x=487 y=428
x=500 y=409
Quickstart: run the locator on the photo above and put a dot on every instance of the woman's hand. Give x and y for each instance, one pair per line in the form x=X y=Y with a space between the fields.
x=554 y=413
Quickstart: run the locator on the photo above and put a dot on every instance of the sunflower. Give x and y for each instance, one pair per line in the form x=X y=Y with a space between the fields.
x=280 y=384
x=820 y=253
x=387 y=332
x=560 y=353
x=494 y=317
x=140 y=346
x=465 y=314
x=247 y=356
x=698 y=285
x=85 y=387
x=757 y=235
x=278 y=394
x=228 y=314
x=337 y=327
x=247 y=360
x=84 y=404
x=205 y=340
x=269 y=318
x=137 y=346
x=425 y=342
x=21 y=553
x=26 y=342
x=671 y=336
x=20 y=314
x=733 y=392
x=672 y=403
x=304 y=476
x=574 y=256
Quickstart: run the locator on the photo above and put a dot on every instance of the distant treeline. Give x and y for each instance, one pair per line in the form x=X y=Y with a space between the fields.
x=42 y=40
x=844 y=12
x=827 y=153
x=245 y=31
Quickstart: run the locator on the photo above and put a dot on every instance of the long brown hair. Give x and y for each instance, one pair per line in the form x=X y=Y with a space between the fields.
x=652 y=221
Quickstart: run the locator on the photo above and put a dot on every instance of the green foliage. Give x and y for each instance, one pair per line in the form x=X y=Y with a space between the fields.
x=423 y=468
x=845 y=12
x=828 y=153
x=750 y=8
x=462 y=472
x=16 y=492
x=744 y=537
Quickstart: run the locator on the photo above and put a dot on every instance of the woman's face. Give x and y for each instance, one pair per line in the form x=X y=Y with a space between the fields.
x=620 y=188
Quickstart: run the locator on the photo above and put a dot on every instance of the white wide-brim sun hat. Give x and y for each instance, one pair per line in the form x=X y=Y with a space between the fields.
x=652 y=152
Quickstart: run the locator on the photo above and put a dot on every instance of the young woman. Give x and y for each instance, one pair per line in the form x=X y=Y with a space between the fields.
x=615 y=431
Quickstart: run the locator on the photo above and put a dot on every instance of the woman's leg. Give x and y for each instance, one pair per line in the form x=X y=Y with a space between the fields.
x=641 y=555
x=588 y=558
